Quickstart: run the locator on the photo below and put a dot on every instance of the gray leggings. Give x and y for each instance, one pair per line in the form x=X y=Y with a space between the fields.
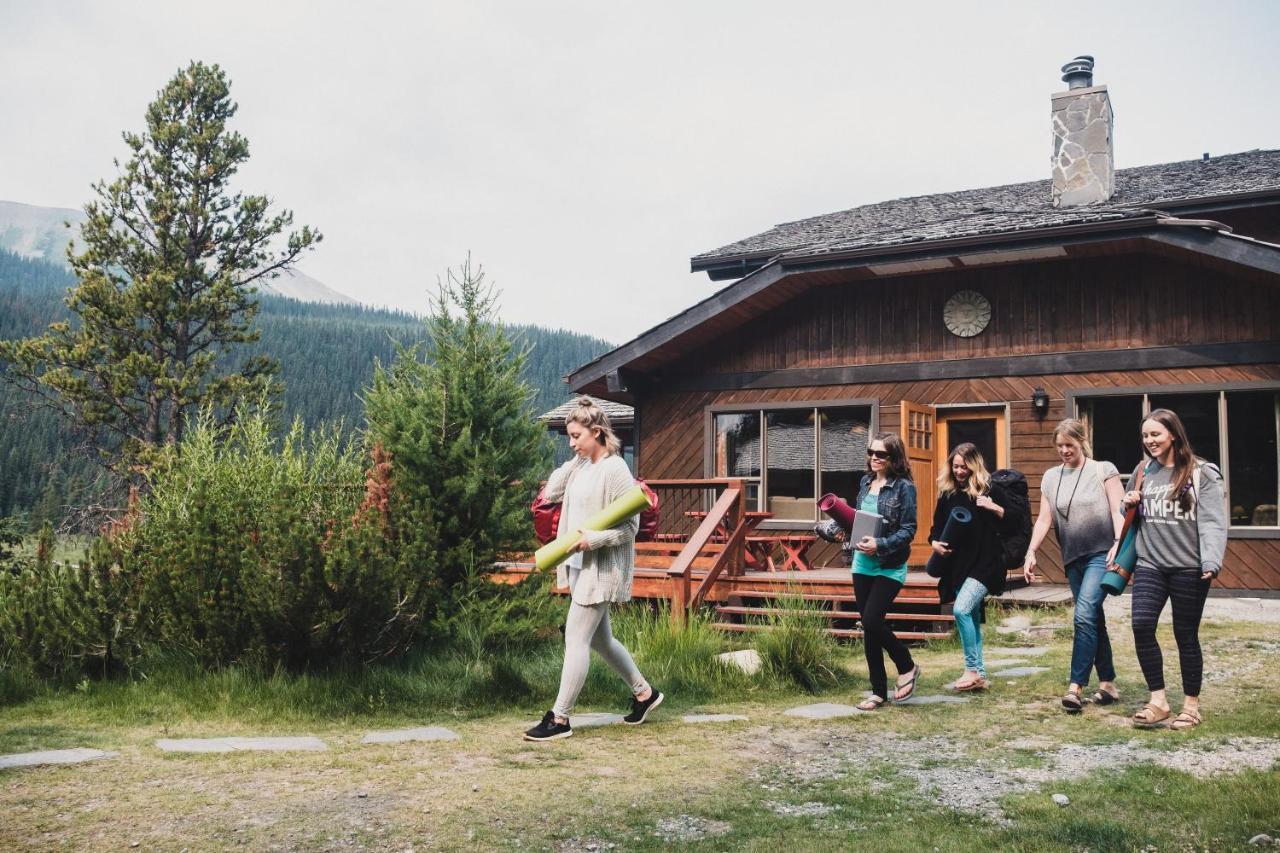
x=587 y=628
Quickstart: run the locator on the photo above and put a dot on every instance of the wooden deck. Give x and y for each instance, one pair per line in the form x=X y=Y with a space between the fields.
x=748 y=601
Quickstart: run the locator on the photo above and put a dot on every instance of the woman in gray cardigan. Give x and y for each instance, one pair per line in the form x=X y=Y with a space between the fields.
x=599 y=572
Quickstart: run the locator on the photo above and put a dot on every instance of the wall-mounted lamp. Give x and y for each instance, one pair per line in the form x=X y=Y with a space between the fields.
x=1040 y=402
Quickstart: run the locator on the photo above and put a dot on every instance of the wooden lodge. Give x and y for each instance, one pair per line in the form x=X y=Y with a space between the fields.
x=985 y=315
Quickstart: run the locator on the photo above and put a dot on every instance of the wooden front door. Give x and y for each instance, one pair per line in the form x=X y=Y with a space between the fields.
x=919 y=435
x=985 y=427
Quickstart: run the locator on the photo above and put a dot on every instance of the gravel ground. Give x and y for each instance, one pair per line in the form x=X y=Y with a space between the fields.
x=947 y=774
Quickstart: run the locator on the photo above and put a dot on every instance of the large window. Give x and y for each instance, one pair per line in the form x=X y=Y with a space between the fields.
x=1236 y=430
x=791 y=456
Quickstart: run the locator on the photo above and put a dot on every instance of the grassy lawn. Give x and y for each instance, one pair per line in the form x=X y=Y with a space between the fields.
x=975 y=776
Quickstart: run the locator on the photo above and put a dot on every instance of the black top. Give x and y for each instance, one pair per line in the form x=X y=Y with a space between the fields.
x=978 y=553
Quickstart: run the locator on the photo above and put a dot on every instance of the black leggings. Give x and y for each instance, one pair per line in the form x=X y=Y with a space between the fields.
x=872 y=595
x=1151 y=589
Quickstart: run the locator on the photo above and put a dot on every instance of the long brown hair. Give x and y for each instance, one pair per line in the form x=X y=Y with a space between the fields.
x=898 y=465
x=979 y=479
x=593 y=419
x=1184 y=458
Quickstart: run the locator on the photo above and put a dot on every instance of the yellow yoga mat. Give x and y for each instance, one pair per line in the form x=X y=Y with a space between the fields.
x=558 y=550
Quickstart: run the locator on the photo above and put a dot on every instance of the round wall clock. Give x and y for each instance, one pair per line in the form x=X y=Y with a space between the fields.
x=966 y=313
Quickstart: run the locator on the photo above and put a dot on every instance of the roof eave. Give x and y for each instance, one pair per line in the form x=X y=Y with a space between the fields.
x=595 y=371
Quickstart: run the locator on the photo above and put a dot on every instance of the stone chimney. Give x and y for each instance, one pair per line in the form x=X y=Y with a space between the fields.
x=1083 y=159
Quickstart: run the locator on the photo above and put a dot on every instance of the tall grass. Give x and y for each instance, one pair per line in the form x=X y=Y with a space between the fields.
x=797 y=649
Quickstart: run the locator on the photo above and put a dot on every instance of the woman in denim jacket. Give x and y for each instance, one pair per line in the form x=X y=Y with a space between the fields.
x=880 y=564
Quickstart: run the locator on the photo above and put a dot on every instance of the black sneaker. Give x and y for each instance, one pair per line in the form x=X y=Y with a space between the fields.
x=640 y=710
x=549 y=729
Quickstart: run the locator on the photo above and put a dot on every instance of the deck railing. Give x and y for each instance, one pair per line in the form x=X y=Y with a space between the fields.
x=698 y=513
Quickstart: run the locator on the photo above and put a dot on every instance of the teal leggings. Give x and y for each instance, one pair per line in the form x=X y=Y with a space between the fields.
x=968 y=613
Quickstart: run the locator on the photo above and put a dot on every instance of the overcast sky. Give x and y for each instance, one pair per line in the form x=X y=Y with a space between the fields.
x=583 y=151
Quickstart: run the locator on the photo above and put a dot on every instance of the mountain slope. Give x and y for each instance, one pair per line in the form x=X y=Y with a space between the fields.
x=40 y=233
x=326 y=353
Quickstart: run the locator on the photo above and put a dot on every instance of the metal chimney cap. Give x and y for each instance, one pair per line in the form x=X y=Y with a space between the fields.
x=1078 y=73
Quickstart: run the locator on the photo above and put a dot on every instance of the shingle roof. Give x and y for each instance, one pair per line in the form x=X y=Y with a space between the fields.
x=620 y=414
x=1010 y=208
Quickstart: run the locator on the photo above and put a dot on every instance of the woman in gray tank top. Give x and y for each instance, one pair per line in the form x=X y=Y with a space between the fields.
x=1081 y=499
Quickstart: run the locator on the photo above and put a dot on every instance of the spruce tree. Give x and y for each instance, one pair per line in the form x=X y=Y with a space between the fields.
x=171 y=260
x=457 y=419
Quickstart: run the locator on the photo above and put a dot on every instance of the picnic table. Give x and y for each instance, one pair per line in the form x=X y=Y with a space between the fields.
x=794 y=548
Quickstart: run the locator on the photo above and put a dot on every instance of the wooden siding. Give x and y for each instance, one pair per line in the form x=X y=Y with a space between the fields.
x=1072 y=305
x=672 y=433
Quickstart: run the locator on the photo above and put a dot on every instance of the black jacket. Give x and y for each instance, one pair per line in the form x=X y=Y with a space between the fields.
x=978 y=554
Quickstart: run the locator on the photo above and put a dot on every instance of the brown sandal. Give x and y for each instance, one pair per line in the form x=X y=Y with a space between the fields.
x=1071 y=702
x=1150 y=717
x=978 y=683
x=1188 y=718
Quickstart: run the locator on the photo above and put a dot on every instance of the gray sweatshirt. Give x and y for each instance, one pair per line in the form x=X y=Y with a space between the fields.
x=1170 y=537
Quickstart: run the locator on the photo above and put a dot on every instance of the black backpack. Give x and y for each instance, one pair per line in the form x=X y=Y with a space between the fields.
x=1015 y=527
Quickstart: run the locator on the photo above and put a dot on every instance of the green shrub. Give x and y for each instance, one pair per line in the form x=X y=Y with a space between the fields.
x=69 y=620
x=797 y=648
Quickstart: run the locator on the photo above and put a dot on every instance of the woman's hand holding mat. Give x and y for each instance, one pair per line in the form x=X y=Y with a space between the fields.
x=562 y=547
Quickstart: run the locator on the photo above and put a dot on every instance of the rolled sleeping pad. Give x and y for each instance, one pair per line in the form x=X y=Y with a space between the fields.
x=1121 y=569
x=554 y=553
x=957 y=521
x=957 y=524
x=840 y=511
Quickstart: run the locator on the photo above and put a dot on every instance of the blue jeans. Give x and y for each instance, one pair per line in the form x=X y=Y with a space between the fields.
x=1091 y=646
x=968 y=612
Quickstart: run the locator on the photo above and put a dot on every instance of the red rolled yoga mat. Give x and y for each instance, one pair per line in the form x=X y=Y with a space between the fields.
x=838 y=510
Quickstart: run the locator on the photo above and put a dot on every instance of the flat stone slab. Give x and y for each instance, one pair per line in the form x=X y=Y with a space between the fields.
x=713 y=718
x=241 y=744
x=1019 y=671
x=53 y=756
x=1006 y=661
x=1015 y=652
x=747 y=660
x=594 y=720
x=405 y=735
x=823 y=711
x=934 y=699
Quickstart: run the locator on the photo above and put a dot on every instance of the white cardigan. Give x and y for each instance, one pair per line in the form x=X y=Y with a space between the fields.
x=606 y=570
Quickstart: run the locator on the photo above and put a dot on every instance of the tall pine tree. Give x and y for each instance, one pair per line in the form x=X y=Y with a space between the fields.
x=172 y=257
x=457 y=419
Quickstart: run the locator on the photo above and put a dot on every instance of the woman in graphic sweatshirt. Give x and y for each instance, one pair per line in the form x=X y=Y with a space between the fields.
x=1180 y=543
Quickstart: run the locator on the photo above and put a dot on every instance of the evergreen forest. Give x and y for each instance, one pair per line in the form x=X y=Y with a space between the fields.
x=326 y=356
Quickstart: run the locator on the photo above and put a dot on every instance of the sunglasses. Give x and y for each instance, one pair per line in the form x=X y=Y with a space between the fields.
x=878 y=454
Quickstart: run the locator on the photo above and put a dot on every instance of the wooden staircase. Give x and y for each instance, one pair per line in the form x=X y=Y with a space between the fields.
x=917 y=614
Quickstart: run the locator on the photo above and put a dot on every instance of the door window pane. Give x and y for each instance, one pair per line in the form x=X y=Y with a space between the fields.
x=791 y=446
x=980 y=432
x=845 y=433
x=1199 y=414
x=1251 y=450
x=1116 y=427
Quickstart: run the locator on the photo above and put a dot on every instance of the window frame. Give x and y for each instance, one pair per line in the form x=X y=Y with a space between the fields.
x=759 y=408
x=1074 y=396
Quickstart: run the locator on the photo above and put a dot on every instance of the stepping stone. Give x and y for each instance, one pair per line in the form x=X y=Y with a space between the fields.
x=239 y=744
x=713 y=718
x=1006 y=661
x=53 y=756
x=404 y=735
x=823 y=711
x=1028 y=651
x=595 y=720
x=747 y=660
x=934 y=699
x=1019 y=671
